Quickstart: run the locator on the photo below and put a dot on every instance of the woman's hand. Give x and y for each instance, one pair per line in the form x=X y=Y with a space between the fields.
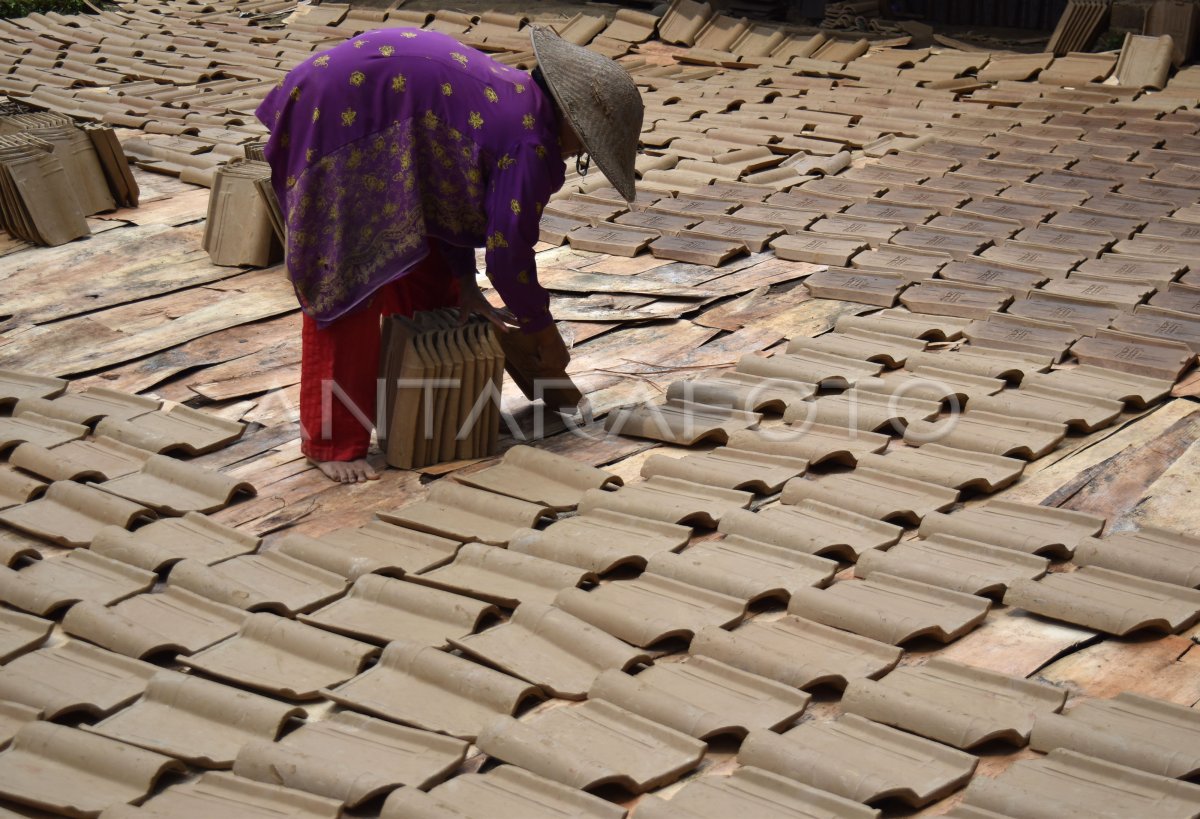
x=472 y=302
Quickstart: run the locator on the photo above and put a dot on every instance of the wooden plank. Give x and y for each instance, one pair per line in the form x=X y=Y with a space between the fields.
x=1165 y=667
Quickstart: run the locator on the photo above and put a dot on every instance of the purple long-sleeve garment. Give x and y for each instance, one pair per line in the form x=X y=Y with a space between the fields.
x=402 y=136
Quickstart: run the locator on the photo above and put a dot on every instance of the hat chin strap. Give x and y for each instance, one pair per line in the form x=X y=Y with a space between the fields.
x=583 y=163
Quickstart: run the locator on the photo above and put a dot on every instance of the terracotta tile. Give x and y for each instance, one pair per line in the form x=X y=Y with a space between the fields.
x=747 y=569
x=541 y=477
x=933 y=296
x=329 y=758
x=810 y=201
x=1130 y=207
x=976 y=224
x=911 y=264
x=735 y=191
x=1172 y=229
x=501 y=577
x=905 y=214
x=860 y=286
x=891 y=609
x=593 y=744
x=1015 y=279
x=379 y=609
x=749 y=791
x=97 y=772
x=270 y=581
x=1153 y=553
x=176 y=429
x=1136 y=391
x=815 y=528
x=1065 y=780
x=71 y=514
x=1125 y=352
x=816 y=249
x=21 y=633
x=1023 y=527
x=946 y=466
x=985 y=362
x=601 y=541
x=197 y=721
x=662 y=223
x=386 y=548
x=452 y=510
x=894 y=764
x=553 y=230
x=1057 y=262
x=680 y=422
x=958 y=564
x=956 y=704
x=175 y=488
x=503 y=791
x=865 y=410
x=99 y=459
x=754 y=237
x=14 y=716
x=15 y=385
x=870 y=230
x=48 y=585
x=1158 y=324
x=815 y=443
x=591 y=212
x=781 y=219
x=1081 y=413
x=702 y=697
x=17 y=488
x=90 y=406
x=729 y=468
x=611 y=239
x=884 y=348
x=874 y=494
x=74 y=678
x=989 y=432
x=1024 y=335
x=1026 y=214
x=901 y=322
x=749 y=393
x=163 y=542
x=693 y=207
x=282 y=657
x=1129 y=729
x=213 y=793
x=37 y=429
x=1108 y=601
x=925 y=196
x=552 y=649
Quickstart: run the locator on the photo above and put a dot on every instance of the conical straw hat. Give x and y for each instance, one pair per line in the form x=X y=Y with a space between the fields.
x=599 y=99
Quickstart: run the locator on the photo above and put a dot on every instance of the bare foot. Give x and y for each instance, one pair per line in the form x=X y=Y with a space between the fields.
x=347 y=471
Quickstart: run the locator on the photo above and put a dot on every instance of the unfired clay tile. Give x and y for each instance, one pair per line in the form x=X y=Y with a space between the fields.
x=1082 y=413
x=670 y=500
x=861 y=760
x=1064 y=782
x=1024 y=527
x=70 y=514
x=750 y=791
x=601 y=541
x=872 y=493
x=856 y=227
x=747 y=569
x=816 y=249
x=989 y=432
x=282 y=657
x=72 y=772
x=815 y=528
x=16 y=488
x=47 y=585
x=876 y=288
x=269 y=581
x=431 y=689
x=552 y=649
x=593 y=744
x=503 y=577
x=741 y=391
x=74 y=678
x=1108 y=601
x=15 y=385
x=728 y=468
x=983 y=361
x=910 y=263
x=462 y=513
x=815 y=443
x=195 y=720
x=810 y=367
x=891 y=609
x=1150 y=552
x=215 y=793
x=885 y=348
x=1158 y=324
x=950 y=298
x=1026 y=335
x=380 y=609
x=391 y=549
x=702 y=697
x=178 y=428
x=13 y=716
x=541 y=477
x=954 y=703
x=506 y=792
x=612 y=239
x=797 y=652
x=1127 y=352
x=20 y=633
x=91 y=405
x=680 y=422
x=37 y=429
x=174 y=488
x=956 y=468
x=1130 y=729
x=958 y=564
x=98 y=459
x=1082 y=314
x=1136 y=391
x=352 y=758
x=697 y=249
x=651 y=608
x=173 y=620
x=865 y=410
x=900 y=322
x=167 y=541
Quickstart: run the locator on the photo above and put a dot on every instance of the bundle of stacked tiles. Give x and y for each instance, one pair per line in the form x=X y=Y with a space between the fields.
x=244 y=224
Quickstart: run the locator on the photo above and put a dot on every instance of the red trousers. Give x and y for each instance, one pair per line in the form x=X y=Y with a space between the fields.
x=339 y=365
